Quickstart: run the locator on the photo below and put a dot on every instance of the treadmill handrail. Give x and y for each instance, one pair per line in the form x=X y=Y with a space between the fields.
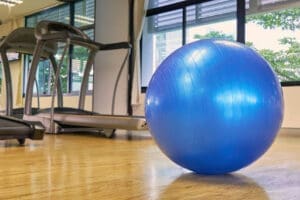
x=8 y=82
x=59 y=32
x=49 y=27
x=22 y=40
x=114 y=46
x=49 y=30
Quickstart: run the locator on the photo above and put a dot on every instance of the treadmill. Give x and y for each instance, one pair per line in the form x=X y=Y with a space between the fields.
x=64 y=119
x=10 y=126
x=23 y=41
x=14 y=128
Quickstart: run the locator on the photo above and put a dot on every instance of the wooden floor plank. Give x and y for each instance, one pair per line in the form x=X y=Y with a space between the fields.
x=90 y=167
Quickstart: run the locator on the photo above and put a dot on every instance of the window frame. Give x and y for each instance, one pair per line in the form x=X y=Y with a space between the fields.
x=71 y=7
x=241 y=13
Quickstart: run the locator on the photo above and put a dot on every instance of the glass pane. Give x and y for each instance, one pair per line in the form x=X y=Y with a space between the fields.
x=43 y=78
x=215 y=19
x=44 y=82
x=162 y=35
x=90 y=33
x=276 y=36
x=84 y=13
x=79 y=60
x=64 y=67
x=44 y=75
x=91 y=80
x=59 y=14
x=31 y=21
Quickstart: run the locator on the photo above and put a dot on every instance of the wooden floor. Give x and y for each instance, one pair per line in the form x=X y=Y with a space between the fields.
x=91 y=167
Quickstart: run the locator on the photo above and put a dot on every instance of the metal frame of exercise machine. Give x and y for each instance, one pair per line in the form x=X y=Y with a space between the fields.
x=63 y=119
x=23 y=41
x=20 y=41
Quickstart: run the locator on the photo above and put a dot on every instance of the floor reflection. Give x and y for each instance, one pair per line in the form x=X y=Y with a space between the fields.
x=233 y=186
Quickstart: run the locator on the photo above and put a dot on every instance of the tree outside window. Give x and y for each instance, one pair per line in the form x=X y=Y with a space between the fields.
x=285 y=57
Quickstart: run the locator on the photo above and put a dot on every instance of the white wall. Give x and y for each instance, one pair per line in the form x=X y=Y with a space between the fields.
x=292 y=107
x=111 y=26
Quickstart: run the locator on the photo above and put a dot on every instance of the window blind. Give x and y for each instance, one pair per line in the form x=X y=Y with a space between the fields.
x=196 y=14
x=84 y=13
x=60 y=14
x=208 y=12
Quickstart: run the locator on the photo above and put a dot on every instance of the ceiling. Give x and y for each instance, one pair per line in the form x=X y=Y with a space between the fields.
x=26 y=8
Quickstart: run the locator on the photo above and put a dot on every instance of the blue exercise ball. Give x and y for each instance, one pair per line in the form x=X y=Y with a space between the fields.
x=214 y=106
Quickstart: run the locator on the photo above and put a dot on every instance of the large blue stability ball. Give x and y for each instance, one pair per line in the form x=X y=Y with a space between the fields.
x=214 y=106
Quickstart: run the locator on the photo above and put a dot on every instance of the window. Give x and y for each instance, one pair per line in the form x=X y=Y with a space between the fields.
x=44 y=77
x=84 y=13
x=159 y=41
x=213 y=19
x=59 y=14
x=164 y=32
x=80 y=14
x=275 y=34
x=272 y=28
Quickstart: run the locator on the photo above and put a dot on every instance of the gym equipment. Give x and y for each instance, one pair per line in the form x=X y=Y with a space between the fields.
x=214 y=106
x=11 y=127
x=64 y=119
x=22 y=40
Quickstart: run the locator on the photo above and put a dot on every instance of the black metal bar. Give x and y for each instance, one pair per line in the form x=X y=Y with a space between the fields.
x=71 y=49
x=290 y=83
x=241 y=20
x=131 y=57
x=25 y=66
x=184 y=26
x=175 y=6
x=87 y=27
x=144 y=89
x=113 y=46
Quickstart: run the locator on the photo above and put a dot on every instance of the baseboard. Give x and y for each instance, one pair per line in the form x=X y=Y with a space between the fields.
x=290 y=131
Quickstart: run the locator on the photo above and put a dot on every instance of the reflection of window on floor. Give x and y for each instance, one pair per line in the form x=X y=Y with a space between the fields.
x=272 y=28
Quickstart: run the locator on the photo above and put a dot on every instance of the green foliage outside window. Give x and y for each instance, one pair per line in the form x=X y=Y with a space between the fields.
x=285 y=62
x=80 y=55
